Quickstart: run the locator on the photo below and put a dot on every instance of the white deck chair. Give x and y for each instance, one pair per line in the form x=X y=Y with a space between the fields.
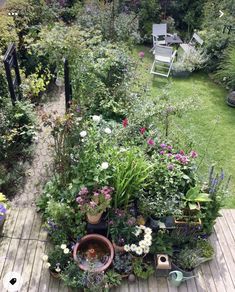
x=159 y=33
x=195 y=40
x=163 y=59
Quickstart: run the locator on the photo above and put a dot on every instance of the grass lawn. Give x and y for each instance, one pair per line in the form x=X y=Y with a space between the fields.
x=211 y=125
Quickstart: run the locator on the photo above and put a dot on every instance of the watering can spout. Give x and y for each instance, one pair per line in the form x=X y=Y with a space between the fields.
x=177 y=277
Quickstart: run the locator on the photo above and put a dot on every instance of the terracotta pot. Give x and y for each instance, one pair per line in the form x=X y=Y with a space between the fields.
x=94 y=219
x=85 y=241
x=55 y=274
x=118 y=248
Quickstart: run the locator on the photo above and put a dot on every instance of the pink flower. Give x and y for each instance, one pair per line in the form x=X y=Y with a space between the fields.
x=93 y=204
x=169 y=154
x=107 y=196
x=142 y=130
x=162 y=152
x=170 y=167
x=141 y=54
x=151 y=142
x=79 y=200
x=193 y=154
x=169 y=147
x=181 y=152
x=163 y=145
x=125 y=122
x=96 y=194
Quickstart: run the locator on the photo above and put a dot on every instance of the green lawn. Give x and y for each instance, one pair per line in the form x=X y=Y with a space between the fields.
x=211 y=125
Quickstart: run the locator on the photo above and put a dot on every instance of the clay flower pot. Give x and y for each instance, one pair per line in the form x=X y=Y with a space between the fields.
x=94 y=219
x=118 y=248
x=93 y=249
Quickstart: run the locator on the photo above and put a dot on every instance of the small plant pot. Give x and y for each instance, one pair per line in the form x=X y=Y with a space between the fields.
x=118 y=248
x=174 y=267
x=94 y=219
x=55 y=274
x=181 y=222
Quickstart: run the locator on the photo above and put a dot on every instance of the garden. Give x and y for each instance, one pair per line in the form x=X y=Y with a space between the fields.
x=142 y=160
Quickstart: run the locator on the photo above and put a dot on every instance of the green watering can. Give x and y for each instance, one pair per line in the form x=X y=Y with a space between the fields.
x=177 y=277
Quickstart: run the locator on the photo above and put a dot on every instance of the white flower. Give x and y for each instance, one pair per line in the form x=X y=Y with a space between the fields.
x=142 y=244
x=96 y=118
x=57 y=269
x=83 y=134
x=146 y=249
x=104 y=165
x=148 y=230
x=142 y=227
x=139 y=250
x=63 y=246
x=148 y=237
x=66 y=250
x=133 y=247
x=148 y=242
x=107 y=131
x=45 y=258
x=48 y=265
x=127 y=247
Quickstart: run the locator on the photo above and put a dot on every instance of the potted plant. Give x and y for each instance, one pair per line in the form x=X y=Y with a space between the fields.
x=188 y=62
x=57 y=260
x=122 y=264
x=93 y=250
x=95 y=203
x=142 y=269
x=112 y=279
x=191 y=204
x=121 y=228
x=3 y=210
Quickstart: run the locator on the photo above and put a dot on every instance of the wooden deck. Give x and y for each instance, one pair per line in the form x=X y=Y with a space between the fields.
x=25 y=241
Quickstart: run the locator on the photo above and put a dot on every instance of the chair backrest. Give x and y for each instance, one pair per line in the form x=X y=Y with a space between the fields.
x=159 y=29
x=196 y=38
x=163 y=51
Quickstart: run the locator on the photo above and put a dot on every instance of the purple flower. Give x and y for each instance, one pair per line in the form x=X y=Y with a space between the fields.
x=141 y=54
x=163 y=145
x=151 y=142
x=170 y=167
x=107 y=196
x=131 y=221
x=193 y=154
x=96 y=194
x=79 y=200
x=169 y=147
x=181 y=152
x=110 y=222
x=162 y=152
x=178 y=156
x=2 y=212
x=78 y=109
x=169 y=154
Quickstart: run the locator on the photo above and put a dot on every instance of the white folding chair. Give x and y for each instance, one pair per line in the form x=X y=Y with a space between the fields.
x=195 y=40
x=159 y=33
x=163 y=60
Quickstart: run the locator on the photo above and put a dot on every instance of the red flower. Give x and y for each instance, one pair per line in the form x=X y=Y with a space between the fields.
x=125 y=122
x=151 y=142
x=142 y=130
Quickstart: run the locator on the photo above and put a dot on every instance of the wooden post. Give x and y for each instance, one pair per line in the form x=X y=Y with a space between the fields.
x=67 y=84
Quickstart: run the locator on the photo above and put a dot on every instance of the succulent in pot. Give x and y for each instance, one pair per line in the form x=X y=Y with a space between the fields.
x=93 y=204
x=122 y=264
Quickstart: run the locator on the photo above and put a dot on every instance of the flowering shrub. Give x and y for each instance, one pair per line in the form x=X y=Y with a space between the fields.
x=96 y=202
x=143 y=245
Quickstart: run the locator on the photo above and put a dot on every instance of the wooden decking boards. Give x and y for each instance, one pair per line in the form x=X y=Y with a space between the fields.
x=24 y=241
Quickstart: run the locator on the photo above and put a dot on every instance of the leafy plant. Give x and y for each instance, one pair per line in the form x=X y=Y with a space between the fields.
x=142 y=269
x=226 y=71
x=112 y=278
x=186 y=259
x=73 y=276
x=193 y=196
x=59 y=258
x=130 y=172
x=123 y=263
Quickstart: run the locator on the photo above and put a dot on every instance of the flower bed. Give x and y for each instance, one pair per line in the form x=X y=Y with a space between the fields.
x=111 y=187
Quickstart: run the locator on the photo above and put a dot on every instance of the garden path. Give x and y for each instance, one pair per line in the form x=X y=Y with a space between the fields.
x=24 y=242
x=39 y=169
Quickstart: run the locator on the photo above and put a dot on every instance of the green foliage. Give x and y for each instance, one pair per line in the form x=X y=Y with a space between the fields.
x=142 y=269
x=130 y=172
x=193 y=196
x=8 y=32
x=186 y=259
x=73 y=276
x=226 y=72
x=58 y=259
x=113 y=278
x=122 y=263
x=162 y=243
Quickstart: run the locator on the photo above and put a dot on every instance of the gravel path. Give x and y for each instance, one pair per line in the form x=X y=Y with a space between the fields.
x=39 y=169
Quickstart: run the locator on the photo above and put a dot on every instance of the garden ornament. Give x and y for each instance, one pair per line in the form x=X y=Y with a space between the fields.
x=177 y=277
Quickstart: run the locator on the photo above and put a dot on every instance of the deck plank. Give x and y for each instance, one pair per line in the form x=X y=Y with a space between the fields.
x=162 y=284
x=152 y=283
x=200 y=281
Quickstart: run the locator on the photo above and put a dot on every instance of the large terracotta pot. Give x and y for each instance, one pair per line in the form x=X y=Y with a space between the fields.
x=93 y=239
x=94 y=219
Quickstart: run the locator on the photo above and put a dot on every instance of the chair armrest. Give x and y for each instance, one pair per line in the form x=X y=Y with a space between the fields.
x=169 y=34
